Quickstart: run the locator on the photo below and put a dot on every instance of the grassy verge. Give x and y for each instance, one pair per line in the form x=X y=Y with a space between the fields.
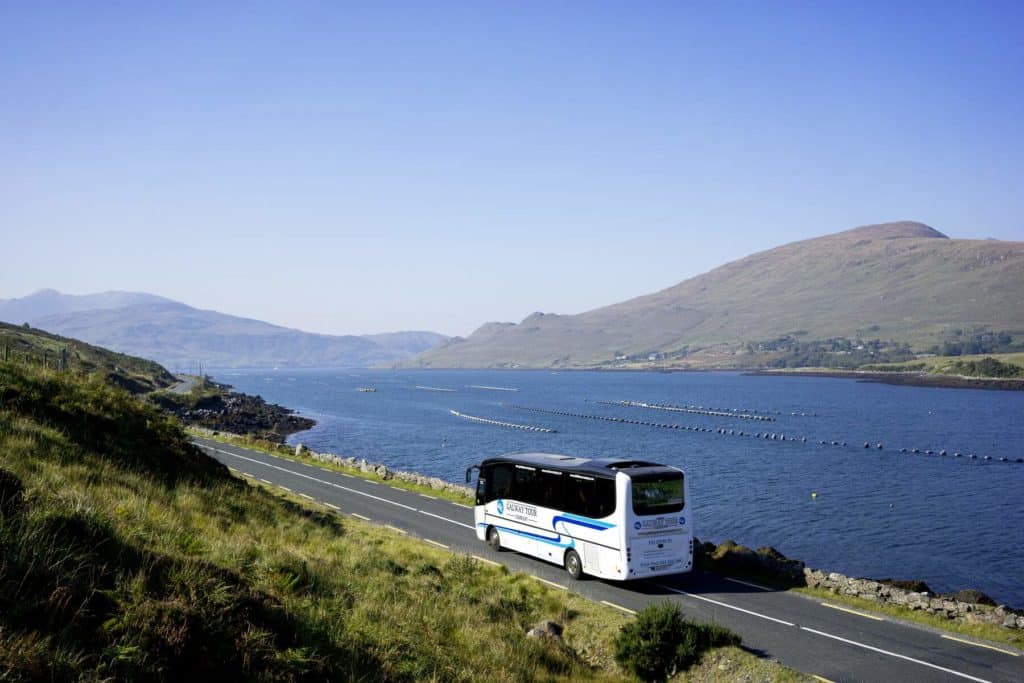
x=980 y=631
x=125 y=553
x=288 y=453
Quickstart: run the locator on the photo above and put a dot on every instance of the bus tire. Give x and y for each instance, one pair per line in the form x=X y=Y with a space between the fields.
x=494 y=538
x=573 y=564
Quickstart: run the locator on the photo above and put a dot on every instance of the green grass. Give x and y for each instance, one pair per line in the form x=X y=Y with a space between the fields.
x=979 y=631
x=288 y=453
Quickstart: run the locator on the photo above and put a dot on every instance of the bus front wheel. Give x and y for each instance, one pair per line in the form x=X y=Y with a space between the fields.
x=573 y=565
x=493 y=538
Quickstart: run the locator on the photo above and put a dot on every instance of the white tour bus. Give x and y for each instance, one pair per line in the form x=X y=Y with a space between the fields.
x=611 y=518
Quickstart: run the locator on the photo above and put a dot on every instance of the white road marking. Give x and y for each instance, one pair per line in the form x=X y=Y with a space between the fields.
x=246 y=474
x=426 y=496
x=451 y=521
x=285 y=488
x=437 y=543
x=485 y=560
x=747 y=583
x=723 y=604
x=265 y=481
x=332 y=506
x=985 y=645
x=319 y=481
x=307 y=497
x=618 y=607
x=551 y=583
x=828 y=635
x=821 y=678
x=461 y=505
x=852 y=611
x=396 y=488
x=362 y=517
x=894 y=654
x=396 y=529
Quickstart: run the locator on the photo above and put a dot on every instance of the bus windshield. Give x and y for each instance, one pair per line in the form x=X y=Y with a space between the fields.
x=664 y=496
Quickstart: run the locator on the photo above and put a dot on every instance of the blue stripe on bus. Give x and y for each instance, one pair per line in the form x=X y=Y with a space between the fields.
x=536 y=537
x=584 y=522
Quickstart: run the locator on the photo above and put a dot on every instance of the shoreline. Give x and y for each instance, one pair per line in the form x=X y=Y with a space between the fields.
x=913 y=379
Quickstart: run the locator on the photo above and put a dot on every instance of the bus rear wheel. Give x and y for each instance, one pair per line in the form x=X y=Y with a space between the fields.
x=494 y=539
x=573 y=565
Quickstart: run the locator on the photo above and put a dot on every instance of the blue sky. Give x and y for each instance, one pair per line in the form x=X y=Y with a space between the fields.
x=350 y=168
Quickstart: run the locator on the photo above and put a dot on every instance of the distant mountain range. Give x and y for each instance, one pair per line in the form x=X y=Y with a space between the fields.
x=904 y=283
x=181 y=337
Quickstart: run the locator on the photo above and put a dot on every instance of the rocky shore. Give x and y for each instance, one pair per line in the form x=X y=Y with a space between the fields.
x=768 y=564
x=219 y=408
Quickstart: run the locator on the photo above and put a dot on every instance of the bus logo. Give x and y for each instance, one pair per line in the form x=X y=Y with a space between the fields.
x=682 y=521
x=501 y=507
x=637 y=525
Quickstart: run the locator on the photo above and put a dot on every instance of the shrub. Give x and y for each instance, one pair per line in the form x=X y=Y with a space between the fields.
x=661 y=641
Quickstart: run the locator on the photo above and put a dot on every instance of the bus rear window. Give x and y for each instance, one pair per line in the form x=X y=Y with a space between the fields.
x=658 y=497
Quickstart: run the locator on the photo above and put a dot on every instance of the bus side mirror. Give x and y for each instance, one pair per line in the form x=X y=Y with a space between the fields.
x=469 y=472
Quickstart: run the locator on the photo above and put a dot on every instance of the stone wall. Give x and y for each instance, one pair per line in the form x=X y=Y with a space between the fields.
x=384 y=472
x=940 y=605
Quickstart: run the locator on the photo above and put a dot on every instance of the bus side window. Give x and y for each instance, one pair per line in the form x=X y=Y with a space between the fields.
x=525 y=487
x=604 y=498
x=552 y=490
x=500 y=482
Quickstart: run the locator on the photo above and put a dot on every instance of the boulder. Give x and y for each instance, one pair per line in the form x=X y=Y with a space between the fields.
x=547 y=630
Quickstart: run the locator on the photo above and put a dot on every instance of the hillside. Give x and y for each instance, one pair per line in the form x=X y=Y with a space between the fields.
x=36 y=347
x=896 y=284
x=128 y=555
x=181 y=337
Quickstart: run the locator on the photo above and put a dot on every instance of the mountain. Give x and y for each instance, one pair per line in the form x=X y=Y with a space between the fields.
x=48 y=302
x=903 y=283
x=180 y=337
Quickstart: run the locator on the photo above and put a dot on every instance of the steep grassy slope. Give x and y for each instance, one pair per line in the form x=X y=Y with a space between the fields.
x=128 y=554
x=34 y=346
x=897 y=281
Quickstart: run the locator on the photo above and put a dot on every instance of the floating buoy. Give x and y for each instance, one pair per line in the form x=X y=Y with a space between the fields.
x=867 y=445
x=814 y=494
x=942 y=452
x=879 y=446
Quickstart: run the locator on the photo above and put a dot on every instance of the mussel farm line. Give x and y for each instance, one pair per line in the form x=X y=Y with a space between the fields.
x=768 y=436
x=499 y=423
x=693 y=410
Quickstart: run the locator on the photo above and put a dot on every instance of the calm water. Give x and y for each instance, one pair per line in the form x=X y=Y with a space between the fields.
x=953 y=522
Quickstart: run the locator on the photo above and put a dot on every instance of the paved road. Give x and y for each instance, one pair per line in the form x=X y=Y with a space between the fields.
x=826 y=640
x=184 y=385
